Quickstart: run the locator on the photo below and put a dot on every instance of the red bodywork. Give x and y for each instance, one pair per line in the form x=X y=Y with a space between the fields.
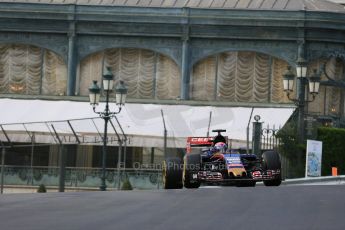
x=199 y=142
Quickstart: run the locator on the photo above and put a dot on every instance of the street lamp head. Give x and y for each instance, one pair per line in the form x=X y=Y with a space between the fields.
x=314 y=82
x=108 y=80
x=301 y=67
x=257 y=118
x=121 y=93
x=94 y=94
x=288 y=80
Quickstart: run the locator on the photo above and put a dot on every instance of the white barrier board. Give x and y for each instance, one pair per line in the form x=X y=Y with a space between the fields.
x=313 y=158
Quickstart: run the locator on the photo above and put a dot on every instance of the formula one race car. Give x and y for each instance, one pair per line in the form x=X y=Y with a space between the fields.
x=209 y=161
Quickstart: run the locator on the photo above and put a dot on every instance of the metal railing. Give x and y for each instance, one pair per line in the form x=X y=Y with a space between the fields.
x=82 y=177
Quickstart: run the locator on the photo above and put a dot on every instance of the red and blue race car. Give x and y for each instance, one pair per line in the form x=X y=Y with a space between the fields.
x=210 y=161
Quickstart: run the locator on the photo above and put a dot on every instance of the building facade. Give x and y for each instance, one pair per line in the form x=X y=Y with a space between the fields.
x=194 y=52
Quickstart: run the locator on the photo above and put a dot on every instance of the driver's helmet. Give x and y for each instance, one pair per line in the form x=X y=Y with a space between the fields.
x=220 y=147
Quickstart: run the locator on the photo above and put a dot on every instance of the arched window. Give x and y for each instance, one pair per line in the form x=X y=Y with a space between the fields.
x=239 y=76
x=147 y=74
x=27 y=69
x=328 y=101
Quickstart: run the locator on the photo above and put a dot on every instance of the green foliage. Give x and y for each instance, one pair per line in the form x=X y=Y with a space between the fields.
x=333 y=149
x=288 y=137
x=41 y=189
x=291 y=150
x=127 y=185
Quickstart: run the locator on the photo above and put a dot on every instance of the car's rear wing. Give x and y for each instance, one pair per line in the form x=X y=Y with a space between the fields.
x=199 y=142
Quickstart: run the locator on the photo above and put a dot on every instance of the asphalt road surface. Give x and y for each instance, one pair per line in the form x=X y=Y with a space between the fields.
x=284 y=207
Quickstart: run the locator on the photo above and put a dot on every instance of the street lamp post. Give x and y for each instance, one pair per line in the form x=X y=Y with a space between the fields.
x=120 y=97
x=302 y=80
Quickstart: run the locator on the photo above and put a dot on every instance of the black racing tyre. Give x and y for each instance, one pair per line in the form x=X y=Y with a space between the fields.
x=275 y=182
x=172 y=173
x=271 y=161
x=191 y=165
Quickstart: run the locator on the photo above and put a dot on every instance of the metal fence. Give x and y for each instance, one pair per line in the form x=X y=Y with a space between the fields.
x=64 y=132
x=269 y=139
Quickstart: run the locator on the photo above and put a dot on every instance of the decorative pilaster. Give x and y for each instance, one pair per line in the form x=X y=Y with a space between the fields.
x=185 y=81
x=342 y=92
x=72 y=61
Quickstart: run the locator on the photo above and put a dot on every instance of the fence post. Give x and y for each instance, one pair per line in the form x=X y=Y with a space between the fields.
x=119 y=166
x=62 y=168
x=256 y=139
x=2 y=168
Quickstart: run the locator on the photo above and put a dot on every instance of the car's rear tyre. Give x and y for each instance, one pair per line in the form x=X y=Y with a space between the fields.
x=275 y=182
x=271 y=161
x=191 y=166
x=172 y=173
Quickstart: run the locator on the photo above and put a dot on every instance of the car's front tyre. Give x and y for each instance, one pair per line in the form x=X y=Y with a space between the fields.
x=172 y=173
x=271 y=161
x=191 y=166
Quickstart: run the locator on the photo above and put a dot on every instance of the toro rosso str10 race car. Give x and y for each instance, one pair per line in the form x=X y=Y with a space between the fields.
x=210 y=161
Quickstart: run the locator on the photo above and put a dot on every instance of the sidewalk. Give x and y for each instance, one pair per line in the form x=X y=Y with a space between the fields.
x=33 y=189
x=326 y=180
